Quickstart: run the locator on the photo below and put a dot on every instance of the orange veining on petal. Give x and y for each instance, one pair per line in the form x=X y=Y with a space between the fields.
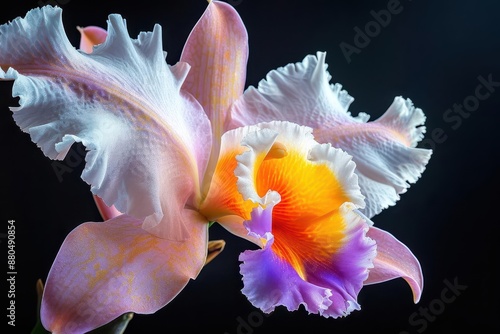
x=217 y=51
x=306 y=223
x=223 y=197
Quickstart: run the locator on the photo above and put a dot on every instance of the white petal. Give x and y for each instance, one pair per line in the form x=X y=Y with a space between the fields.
x=298 y=93
x=387 y=161
x=147 y=142
x=384 y=150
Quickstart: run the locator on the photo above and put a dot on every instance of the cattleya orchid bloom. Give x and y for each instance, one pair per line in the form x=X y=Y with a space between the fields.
x=172 y=148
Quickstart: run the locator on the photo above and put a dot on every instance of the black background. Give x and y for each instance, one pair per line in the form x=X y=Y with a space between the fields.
x=431 y=51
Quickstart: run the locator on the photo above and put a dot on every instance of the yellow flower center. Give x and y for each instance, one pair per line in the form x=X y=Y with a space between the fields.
x=306 y=224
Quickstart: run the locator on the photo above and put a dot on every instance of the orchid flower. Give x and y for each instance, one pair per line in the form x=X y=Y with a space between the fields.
x=176 y=147
x=384 y=151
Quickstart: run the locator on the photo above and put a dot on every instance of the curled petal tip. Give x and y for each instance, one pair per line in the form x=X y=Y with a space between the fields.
x=394 y=260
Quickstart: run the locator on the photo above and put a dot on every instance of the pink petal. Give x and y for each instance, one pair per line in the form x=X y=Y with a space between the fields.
x=90 y=37
x=106 y=269
x=394 y=260
x=217 y=51
x=107 y=212
x=148 y=143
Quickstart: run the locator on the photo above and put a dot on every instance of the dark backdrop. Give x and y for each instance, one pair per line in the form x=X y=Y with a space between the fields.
x=433 y=52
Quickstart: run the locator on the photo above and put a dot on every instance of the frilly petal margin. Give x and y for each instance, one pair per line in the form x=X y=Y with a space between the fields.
x=89 y=37
x=275 y=140
x=311 y=238
x=385 y=152
x=106 y=269
x=332 y=291
x=120 y=100
x=267 y=281
x=394 y=260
